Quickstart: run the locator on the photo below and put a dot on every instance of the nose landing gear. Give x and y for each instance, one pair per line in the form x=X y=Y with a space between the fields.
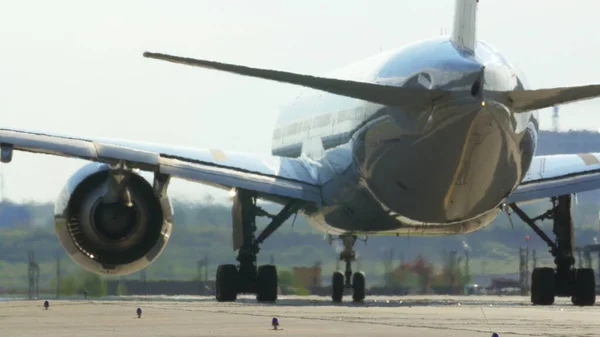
x=348 y=280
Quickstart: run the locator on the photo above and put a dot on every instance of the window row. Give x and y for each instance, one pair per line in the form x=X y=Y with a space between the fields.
x=319 y=122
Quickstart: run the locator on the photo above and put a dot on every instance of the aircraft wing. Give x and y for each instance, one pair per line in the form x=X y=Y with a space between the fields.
x=555 y=175
x=265 y=174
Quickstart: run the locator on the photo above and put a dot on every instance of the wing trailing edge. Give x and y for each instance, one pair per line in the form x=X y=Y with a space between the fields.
x=270 y=176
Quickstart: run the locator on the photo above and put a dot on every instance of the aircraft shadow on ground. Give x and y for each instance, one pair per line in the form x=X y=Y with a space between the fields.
x=378 y=303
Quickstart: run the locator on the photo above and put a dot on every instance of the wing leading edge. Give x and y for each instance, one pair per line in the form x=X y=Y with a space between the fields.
x=555 y=175
x=267 y=175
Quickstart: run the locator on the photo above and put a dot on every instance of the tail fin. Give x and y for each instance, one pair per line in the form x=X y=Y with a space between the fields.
x=465 y=24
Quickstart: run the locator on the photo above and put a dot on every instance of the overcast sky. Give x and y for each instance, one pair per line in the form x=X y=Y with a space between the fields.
x=77 y=67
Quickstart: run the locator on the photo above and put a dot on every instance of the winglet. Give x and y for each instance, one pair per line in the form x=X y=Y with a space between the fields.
x=464 y=31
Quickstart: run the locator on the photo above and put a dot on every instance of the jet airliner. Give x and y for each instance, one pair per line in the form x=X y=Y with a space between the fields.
x=434 y=138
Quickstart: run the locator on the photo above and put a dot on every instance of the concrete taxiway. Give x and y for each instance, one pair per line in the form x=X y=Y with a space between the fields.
x=299 y=316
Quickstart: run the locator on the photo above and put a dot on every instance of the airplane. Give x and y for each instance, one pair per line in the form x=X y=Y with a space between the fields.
x=434 y=138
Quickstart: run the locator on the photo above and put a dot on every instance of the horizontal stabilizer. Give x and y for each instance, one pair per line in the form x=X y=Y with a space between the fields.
x=376 y=93
x=527 y=100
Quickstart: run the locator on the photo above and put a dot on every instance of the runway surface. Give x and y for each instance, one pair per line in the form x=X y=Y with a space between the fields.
x=421 y=316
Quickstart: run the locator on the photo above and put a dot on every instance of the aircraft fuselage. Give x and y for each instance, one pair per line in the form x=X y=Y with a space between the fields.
x=433 y=169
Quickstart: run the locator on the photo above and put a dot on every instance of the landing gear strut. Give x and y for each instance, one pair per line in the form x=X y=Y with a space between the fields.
x=341 y=281
x=246 y=277
x=564 y=280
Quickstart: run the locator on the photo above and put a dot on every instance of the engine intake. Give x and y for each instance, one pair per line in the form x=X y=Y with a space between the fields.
x=107 y=237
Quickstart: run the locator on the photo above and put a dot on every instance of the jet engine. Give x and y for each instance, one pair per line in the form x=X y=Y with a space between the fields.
x=112 y=222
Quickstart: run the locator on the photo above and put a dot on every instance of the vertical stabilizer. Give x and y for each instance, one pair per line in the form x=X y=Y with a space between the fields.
x=465 y=24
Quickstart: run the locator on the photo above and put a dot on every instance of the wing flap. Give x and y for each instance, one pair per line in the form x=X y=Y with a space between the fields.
x=227 y=178
x=270 y=175
x=109 y=152
x=554 y=175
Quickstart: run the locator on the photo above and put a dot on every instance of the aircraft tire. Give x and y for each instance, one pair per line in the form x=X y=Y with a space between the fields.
x=226 y=283
x=337 y=286
x=266 y=283
x=584 y=289
x=542 y=286
x=358 y=287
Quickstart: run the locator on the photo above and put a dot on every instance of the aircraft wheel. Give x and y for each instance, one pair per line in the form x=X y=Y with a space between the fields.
x=542 y=286
x=584 y=290
x=266 y=283
x=358 y=287
x=337 y=286
x=226 y=283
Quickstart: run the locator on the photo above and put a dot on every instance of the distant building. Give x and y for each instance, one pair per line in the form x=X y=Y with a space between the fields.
x=307 y=277
x=14 y=215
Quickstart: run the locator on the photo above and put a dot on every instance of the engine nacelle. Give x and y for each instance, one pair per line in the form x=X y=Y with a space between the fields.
x=111 y=238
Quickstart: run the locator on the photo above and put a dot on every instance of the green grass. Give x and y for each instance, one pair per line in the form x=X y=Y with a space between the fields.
x=205 y=230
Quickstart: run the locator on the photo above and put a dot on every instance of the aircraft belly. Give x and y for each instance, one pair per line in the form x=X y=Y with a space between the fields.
x=351 y=207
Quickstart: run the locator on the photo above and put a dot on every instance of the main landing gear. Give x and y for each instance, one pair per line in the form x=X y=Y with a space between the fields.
x=341 y=281
x=246 y=278
x=564 y=280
